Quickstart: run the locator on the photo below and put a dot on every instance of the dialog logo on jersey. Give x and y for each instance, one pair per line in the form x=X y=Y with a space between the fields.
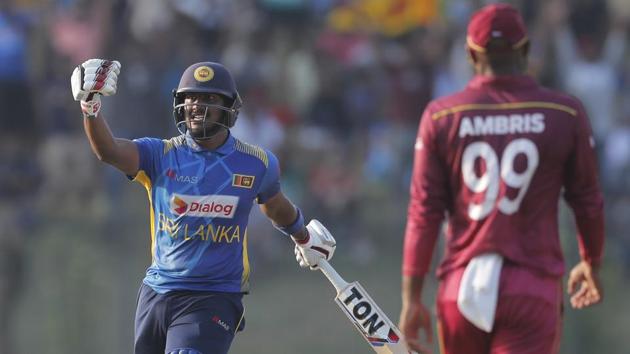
x=179 y=206
x=206 y=206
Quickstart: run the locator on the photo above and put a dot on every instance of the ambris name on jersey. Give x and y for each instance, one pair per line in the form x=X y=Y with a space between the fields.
x=502 y=124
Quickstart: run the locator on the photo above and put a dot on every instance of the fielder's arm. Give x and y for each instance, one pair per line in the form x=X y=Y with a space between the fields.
x=415 y=316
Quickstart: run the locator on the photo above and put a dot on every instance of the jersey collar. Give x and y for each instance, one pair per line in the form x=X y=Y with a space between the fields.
x=507 y=81
x=226 y=148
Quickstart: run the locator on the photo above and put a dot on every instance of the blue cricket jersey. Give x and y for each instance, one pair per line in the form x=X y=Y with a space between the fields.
x=200 y=202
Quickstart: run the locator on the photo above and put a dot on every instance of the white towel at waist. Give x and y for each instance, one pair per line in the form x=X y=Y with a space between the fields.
x=479 y=290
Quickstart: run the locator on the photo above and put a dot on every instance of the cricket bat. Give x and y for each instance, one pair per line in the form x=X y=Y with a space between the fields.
x=384 y=337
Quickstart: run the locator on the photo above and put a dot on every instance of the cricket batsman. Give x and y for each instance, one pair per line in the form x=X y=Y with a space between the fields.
x=495 y=159
x=201 y=187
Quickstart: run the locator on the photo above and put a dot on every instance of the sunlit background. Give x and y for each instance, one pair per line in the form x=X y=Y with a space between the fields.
x=334 y=88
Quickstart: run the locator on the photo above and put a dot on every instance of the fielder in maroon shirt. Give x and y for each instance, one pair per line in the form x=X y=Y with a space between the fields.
x=494 y=159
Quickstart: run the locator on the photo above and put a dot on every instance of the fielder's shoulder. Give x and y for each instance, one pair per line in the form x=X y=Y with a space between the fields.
x=571 y=103
x=446 y=106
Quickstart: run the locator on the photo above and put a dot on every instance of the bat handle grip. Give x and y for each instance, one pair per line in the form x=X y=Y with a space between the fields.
x=332 y=275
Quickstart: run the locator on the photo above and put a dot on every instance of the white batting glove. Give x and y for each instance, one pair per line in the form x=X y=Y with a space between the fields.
x=91 y=79
x=319 y=244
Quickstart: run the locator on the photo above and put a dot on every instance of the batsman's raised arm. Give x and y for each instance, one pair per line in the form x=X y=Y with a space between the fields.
x=90 y=80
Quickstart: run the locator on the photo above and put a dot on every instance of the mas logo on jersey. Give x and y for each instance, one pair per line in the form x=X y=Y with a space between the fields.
x=243 y=181
x=216 y=319
x=203 y=73
x=206 y=206
x=170 y=173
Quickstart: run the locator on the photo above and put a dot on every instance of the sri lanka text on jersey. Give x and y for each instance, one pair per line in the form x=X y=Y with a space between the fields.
x=177 y=229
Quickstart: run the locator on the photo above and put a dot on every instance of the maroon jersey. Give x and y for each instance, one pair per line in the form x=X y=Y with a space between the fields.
x=494 y=159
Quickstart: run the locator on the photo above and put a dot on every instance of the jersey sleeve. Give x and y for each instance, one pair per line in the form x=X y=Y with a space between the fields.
x=582 y=191
x=270 y=185
x=428 y=200
x=149 y=150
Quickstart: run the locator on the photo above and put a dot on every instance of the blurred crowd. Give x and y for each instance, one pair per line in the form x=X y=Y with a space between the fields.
x=334 y=87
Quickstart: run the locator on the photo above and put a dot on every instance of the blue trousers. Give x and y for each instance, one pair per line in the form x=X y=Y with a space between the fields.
x=186 y=322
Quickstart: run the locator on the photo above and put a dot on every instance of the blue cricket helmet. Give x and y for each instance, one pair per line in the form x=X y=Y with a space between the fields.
x=207 y=77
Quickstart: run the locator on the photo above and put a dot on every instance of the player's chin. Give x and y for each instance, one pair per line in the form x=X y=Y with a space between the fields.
x=196 y=129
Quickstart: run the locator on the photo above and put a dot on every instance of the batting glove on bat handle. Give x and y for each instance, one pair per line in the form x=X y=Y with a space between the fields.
x=319 y=244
